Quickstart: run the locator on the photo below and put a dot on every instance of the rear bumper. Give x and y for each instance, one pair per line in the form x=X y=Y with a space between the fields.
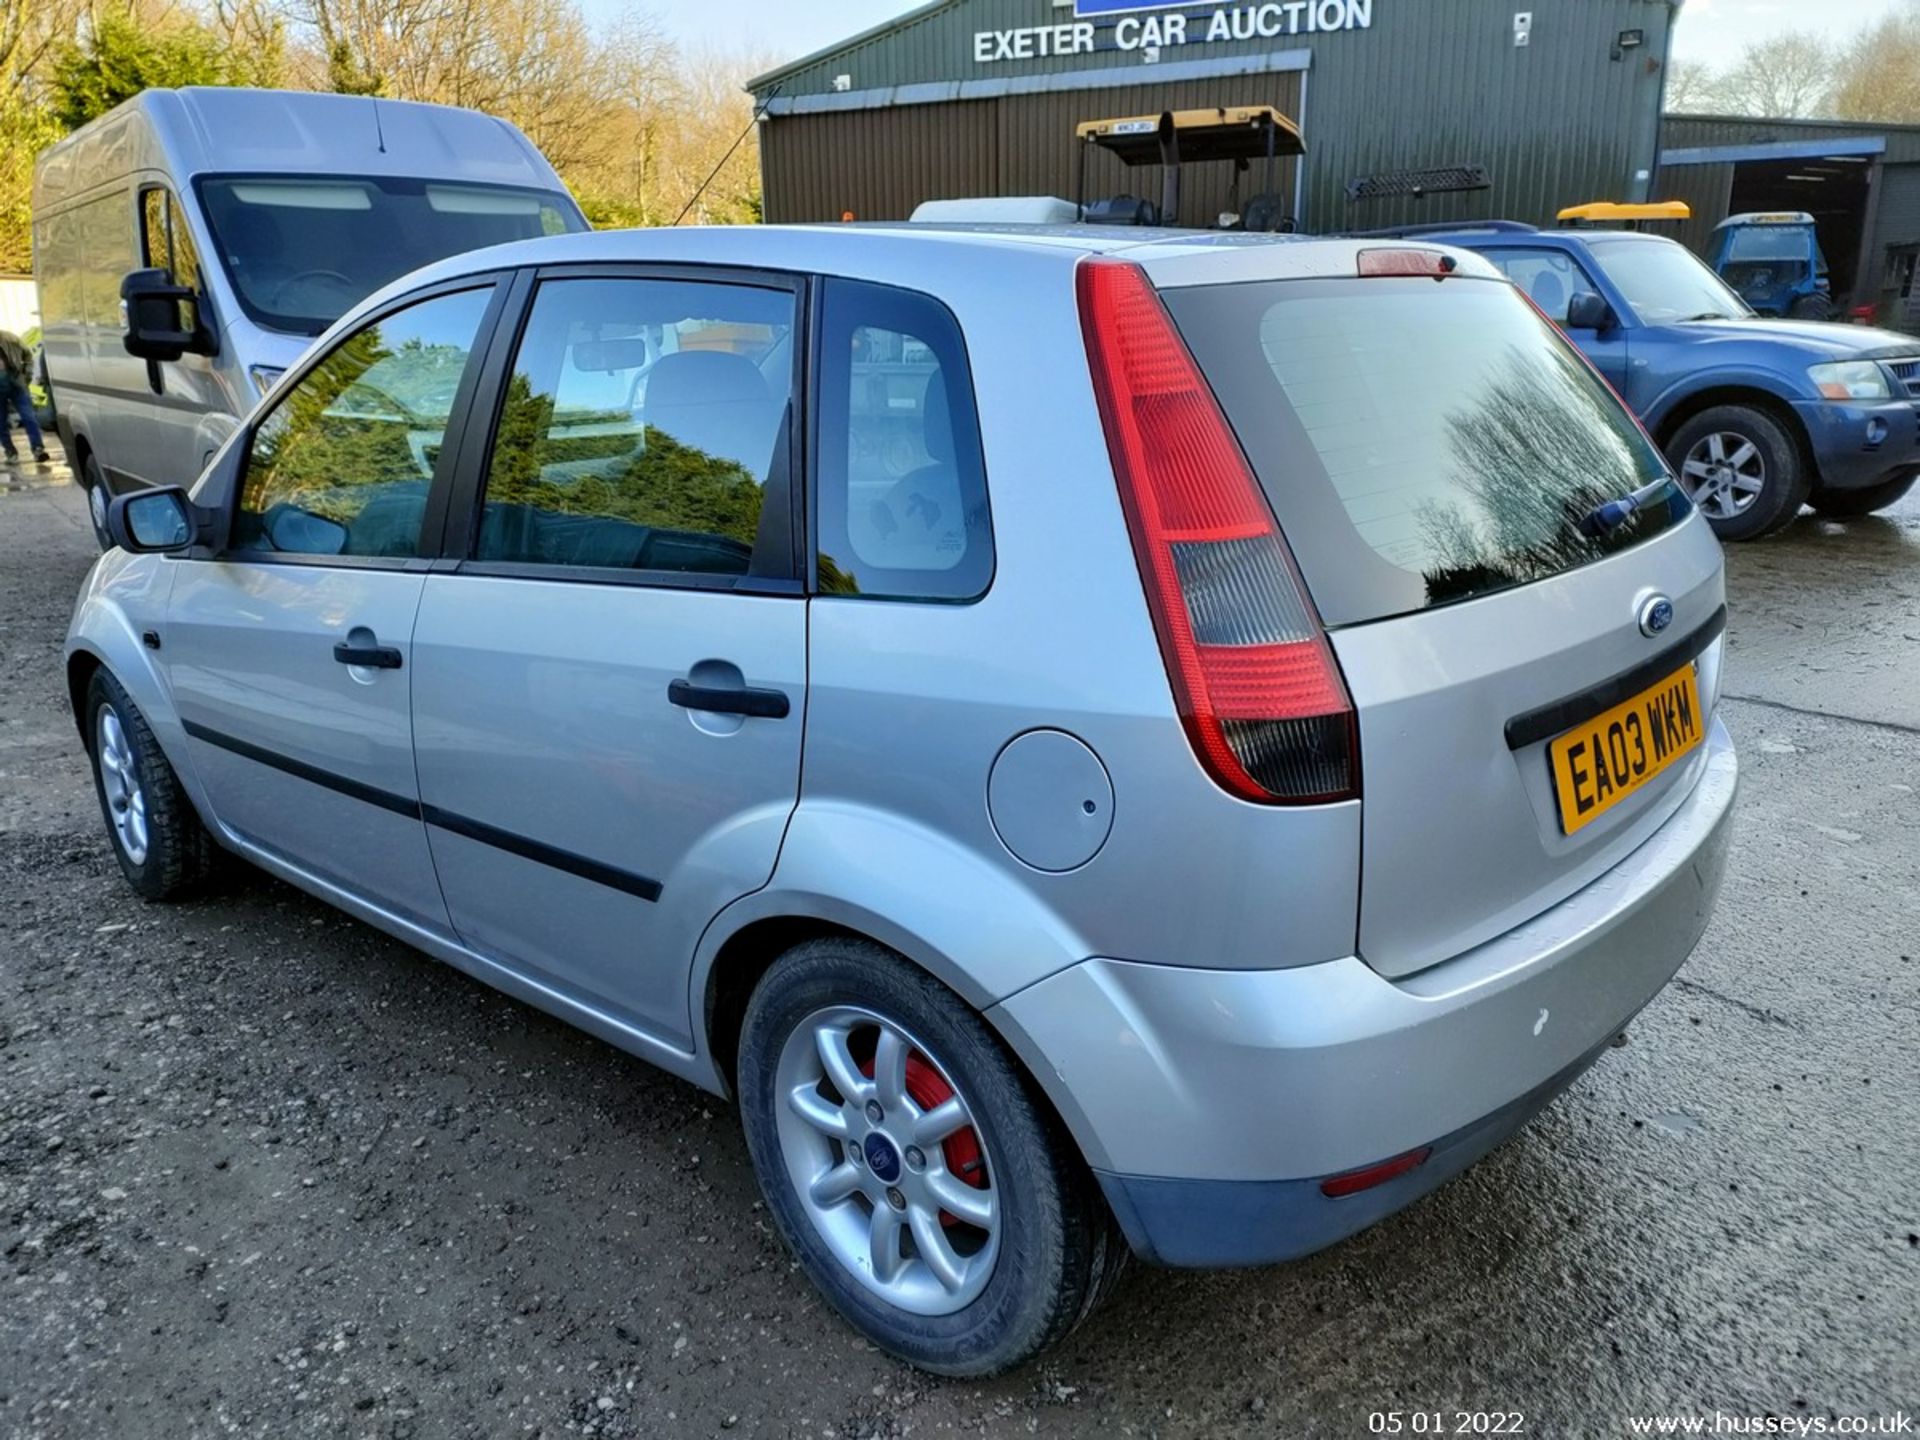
x=1212 y=1103
x=1855 y=446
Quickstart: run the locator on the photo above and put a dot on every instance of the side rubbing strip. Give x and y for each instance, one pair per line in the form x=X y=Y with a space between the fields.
x=541 y=854
x=553 y=859
x=385 y=799
x=1550 y=720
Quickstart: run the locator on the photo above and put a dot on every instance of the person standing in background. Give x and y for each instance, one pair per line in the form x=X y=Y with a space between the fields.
x=16 y=367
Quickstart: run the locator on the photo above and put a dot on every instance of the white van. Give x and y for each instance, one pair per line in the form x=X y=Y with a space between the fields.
x=191 y=243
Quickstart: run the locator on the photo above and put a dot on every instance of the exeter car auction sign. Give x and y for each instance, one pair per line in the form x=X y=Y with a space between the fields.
x=1139 y=27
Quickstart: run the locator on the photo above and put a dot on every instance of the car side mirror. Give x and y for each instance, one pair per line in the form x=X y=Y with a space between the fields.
x=150 y=522
x=162 y=317
x=1587 y=311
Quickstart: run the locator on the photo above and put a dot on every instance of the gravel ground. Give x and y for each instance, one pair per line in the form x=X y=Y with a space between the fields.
x=265 y=1171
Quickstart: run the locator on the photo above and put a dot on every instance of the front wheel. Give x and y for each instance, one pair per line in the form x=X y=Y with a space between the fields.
x=163 y=849
x=1742 y=468
x=1849 y=504
x=1811 y=307
x=922 y=1185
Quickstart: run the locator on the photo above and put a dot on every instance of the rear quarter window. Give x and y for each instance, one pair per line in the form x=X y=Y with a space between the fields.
x=1421 y=443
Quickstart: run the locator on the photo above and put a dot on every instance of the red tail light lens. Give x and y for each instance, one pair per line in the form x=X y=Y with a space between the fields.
x=1252 y=673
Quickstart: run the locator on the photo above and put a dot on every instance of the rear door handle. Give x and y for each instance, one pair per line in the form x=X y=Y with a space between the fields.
x=762 y=704
x=370 y=657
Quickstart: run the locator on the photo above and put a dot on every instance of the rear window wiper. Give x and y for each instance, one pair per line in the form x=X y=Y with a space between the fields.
x=1610 y=515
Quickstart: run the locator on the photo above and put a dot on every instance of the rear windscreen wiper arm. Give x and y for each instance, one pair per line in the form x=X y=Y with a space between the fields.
x=1610 y=515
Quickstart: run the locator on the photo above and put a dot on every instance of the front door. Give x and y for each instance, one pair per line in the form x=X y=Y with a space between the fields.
x=1551 y=278
x=291 y=655
x=609 y=688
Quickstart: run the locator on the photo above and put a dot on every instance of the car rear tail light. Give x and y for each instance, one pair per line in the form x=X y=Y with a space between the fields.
x=1251 y=669
x=1354 y=1181
x=1377 y=262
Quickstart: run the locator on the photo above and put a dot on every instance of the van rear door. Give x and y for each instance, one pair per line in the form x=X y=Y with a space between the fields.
x=1532 y=686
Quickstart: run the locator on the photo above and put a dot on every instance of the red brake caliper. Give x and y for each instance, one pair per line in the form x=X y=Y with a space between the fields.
x=927 y=1089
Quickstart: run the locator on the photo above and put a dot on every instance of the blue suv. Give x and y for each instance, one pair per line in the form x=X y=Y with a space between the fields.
x=1757 y=416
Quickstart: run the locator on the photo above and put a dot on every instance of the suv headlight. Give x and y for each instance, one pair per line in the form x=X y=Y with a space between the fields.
x=1851 y=380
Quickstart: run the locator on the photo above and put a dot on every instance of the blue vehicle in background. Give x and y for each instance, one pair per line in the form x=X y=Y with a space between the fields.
x=1757 y=416
x=1774 y=262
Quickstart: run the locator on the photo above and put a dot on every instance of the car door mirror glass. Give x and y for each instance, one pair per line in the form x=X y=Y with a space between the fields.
x=1587 y=311
x=153 y=521
x=294 y=531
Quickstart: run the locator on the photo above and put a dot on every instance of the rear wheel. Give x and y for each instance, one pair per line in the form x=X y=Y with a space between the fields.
x=1844 y=504
x=1742 y=468
x=163 y=849
x=95 y=482
x=908 y=1165
x=1811 y=307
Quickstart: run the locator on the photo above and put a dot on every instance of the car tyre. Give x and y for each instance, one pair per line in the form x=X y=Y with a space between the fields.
x=163 y=849
x=1743 y=469
x=1051 y=1250
x=1811 y=307
x=94 y=482
x=1848 y=504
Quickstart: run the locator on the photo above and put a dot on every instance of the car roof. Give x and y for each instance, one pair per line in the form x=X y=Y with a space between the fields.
x=854 y=250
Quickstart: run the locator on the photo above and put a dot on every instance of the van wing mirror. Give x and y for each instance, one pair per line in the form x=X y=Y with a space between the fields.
x=154 y=521
x=1587 y=311
x=163 y=319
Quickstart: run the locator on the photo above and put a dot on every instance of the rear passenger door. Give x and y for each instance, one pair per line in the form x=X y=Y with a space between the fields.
x=610 y=660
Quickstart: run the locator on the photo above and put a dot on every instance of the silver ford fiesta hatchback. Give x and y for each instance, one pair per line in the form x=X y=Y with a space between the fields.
x=1100 y=746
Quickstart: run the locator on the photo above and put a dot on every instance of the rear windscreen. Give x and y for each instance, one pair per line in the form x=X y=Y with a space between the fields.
x=1421 y=442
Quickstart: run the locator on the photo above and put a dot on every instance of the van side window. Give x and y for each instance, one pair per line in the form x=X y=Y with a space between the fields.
x=165 y=240
x=902 y=486
x=343 y=462
x=640 y=426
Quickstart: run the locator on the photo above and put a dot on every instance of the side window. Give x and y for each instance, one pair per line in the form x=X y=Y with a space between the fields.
x=1550 y=276
x=902 y=488
x=166 y=242
x=639 y=429
x=343 y=462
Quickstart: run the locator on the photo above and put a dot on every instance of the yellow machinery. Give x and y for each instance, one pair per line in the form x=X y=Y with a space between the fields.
x=1240 y=134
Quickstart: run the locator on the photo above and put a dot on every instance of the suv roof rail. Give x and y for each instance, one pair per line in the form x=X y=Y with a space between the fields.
x=1456 y=227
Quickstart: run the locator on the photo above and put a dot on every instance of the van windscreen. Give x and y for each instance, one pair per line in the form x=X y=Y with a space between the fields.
x=303 y=250
x=1421 y=443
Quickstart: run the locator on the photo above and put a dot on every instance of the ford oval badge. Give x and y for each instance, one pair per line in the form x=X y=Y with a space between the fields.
x=1655 y=616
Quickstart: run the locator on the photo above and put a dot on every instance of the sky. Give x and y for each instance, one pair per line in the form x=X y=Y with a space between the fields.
x=1711 y=31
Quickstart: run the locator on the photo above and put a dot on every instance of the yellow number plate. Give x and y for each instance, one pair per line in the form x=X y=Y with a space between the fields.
x=1602 y=762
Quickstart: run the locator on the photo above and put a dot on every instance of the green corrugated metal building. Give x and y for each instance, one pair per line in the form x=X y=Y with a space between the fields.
x=1557 y=100
x=1859 y=180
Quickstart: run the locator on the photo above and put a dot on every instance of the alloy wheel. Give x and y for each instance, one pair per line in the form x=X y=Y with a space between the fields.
x=120 y=779
x=1724 y=474
x=886 y=1160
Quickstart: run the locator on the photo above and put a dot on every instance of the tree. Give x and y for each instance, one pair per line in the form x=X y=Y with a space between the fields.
x=117 y=57
x=1694 y=88
x=1880 y=71
x=1791 y=74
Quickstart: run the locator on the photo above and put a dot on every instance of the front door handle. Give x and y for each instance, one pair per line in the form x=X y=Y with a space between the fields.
x=725 y=700
x=370 y=657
